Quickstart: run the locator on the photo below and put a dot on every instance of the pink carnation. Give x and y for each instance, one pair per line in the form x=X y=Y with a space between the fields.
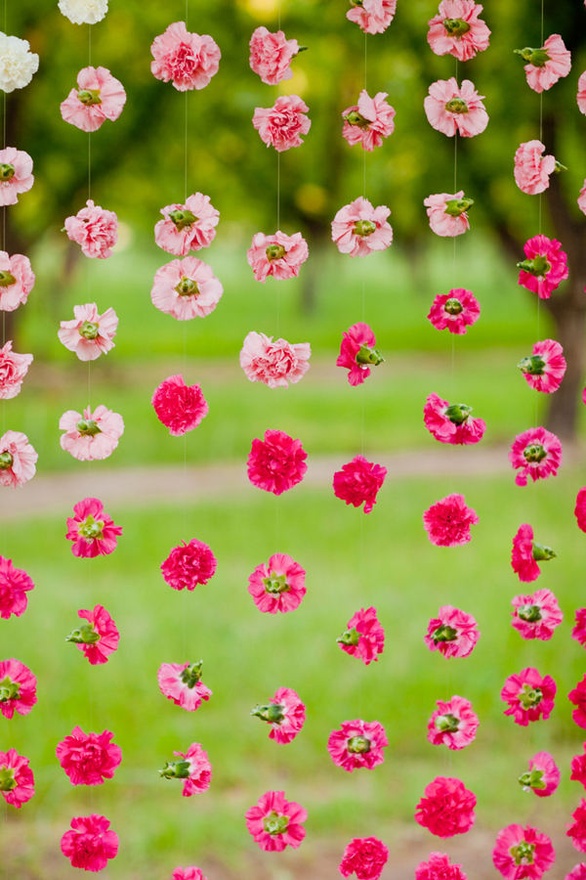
x=285 y=712
x=547 y=64
x=276 y=463
x=454 y=633
x=543 y=775
x=193 y=767
x=91 y=843
x=187 y=227
x=181 y=683
x=17 y=459
x=279 y=255
x=582 y=198
x=536 y=453
x=447 y=213
x=189 y=565
x=275 y=363
x=357 y=353
x=17 y=781
x=527 y=553
x=99 y=96
x=577 y=873
x=359 y=228
x=271 y=55
x=15 y=583
x=581 y=96
x=545 y=266
x=16 y=175
x=577 y=697
x=278 y=585
x=17 y=279
x=89 y=334
x=93 y=435
x=578 y=767
x=453 y=723
x=457 y=30
x=577 y=831
x=178 y=406
x=186 y=59
x=359 y=482
x=373 y=16
x=88 y=758
x=452 y=423
x=454 y=311
x=98 y=638
x=275 y=822
x=529 y=696
x=439 y=866
x=545 y=368
x=18 y=688
x=453 y=109
x=369 y=121
x=448 y=521
x=580 y=509
x=190 y=873
x=13 y=369
x=283 y=125
x=579 y=629
x=358 y=744
x=91 y=529
x=447 y=807
x=364 y=636
x=536 y=616
x=94 y=229
x=532 y=168
x=522 y=852
x=365 y=857
x=186 y=289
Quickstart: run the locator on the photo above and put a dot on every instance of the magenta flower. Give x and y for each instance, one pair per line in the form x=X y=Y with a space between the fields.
x=358 y=744
x=276 y=463
x=193 y=768
x=577 y=697
x=93 y=435
x=91 y=843
x=452 y=423
x=18 y=688
x=279 y=255
x=98 y=96
x=439 y=866
x=178 y=406
x=536 y=616
x=188 y=565
x=536 y=453
x=186 y=289
x=17 y=459
x=17 y=279
x=453 y=723
x=358 y=482
x=369 y=121
x=359 y=228
x=98 y=638
x=453 y=109
x=186 y=59
x=580 y=509
x=278 y=585
x=373 y=16
x=579 y=630
x=187 y=227
x=275 y=822
x=545 y=368
x=454 y=633
x=91 y=529
x=577 y=831
x=522 y=852
x=365 y=857
x=457 y=30
x=190 y=873
x=577 y=873
x=529 y=696
x=95 y=230
x=89 y=334
x=578 y=767
x=283 y=125
x=543 y=775
x=447 y=807
x=545 y=266
x=527 y=553
x=532 y=168
x=364 y=636
x=357 y=353
x=181 y=683
x=448 y=521
x=454 y=311
x=275 y=363
x=581 y=95
x=88 y=758
x=16 y=175
x=14 y=585
x=17 y=781
x=546 y=65
x=285 y=712
x=447 y=213
x=271 y=55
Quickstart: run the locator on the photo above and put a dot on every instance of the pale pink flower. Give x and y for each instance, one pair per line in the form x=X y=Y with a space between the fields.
x=271 y=55
x=283 y=125
x=582 y=198
x=545 y=266
x=454 y=109
x=537 y=615
x=18 y=688
x=89 y=334
x=364 y=636
x=452 y=423
x=545 y=368
x=359 y=228
x=453 y=723
x=276 y=463
x=90 y=843
x=454 y=311
x=577 y=831
x=181 y=683
x=277 y=585
x=580 y=509
x=577 y=697
x=189 y=873
x=17 y=781
x=522 y=852
x=17 y=279
x=178 y=406
x=186 y=59
x=543 y=775
x=83 y=11
x=457 y=30
x=447 y=213
x=93 y=435
x=13 y=369
x=357 y=353
x=536 y=453
x=98 y=638
x=372 y=16
x=14 y=585
x=447 y=807
x=88 y=758
x=95 y=230
x=448 y=521
x=581 y=96
x=369 y=121
x=358 y=482
x=17 y=459
x=529 y=696
x=527 y=553
x=275 y=823
x=533 y=169
x=186 y=289
x=187 y=227
x=98 y=96
x=439 y=866
x=546 y=65
x=358 y=744
x=91 y=529
x=365 y=857
x=16 y=174
x=279 y=255
x=285 y=712
x=193 y=767
x=188 y=565
x=578 y=767
x=276 y=363
x=453 y=632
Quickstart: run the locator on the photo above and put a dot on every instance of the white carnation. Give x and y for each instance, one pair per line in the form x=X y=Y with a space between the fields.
x=17 y=63
x=84 y=11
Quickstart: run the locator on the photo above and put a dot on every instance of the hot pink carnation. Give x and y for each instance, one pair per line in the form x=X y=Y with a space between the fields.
x=578 y=767
x=17 y=459
x=364 y=636
x=439 y=867
x=452 y=423
x=271 y=55
x=181 y=683
x=580 y=509
x=358 y=744
x=357 y=353
x=275 y=822
x=536 y=616
x=279 y=255
x=93 y=435
x=545 y=368
x=187 y=227
x=545 y=266
x=278 y=585
x=536 y=453
x=577 y=697
x=275 y=363
x=581 y=96
x=18 y=688
x=88 y=758
x=190 y=873
x=283 y=125
x=13 y=369
x=17 y=781
x=95 y=230
x=276 y=463
x=577 y=831
x=526 y=553
x=91 y=843
x=454 y=633
x=522 y=853
x=285 y=712
x=577 y=873
x=529 y=696
x=365 y=857
x=98 y=638
x=373 y=16
x=186 y=289
x=359 y=228
x=579 y=630
x=547 y=64
x=188 y=565
x=186 y=59
x=359 y=482
x=447 y=213
x=89 y=334
x=17 y=279
x=532 y=168
x=98 y=96
x=448 y=521
x=193 y=767
x=178 y=406
x=447 y=807
x=91 y=529
x=453 y=109
x=543 y=775
x=16 y=174
x=369 y=121
x=453 y=723
x=14 y=585
x=457 y=30
x=454 y=311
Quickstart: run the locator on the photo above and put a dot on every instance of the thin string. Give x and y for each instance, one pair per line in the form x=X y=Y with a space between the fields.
x=186 y=146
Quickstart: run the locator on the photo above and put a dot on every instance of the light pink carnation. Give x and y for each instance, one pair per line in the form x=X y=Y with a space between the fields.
x=448 y=521
x=181 y=683
x=372 y=16
x=17 y=781
x=17 y=279
x=188 y=565
x=527 y=553
x=545 y=368
x=454 y=109
x=186 y=289
x=454 y=311
x=283 y=125
x=529 y=696
x=447 y=213
x=581 y=96
x=532 y=169
x=187 y=227
x=13 y=369
x=439 y=867
x=457 y=30
x=359 y=228
x=15 y=583
x=88 y=758
x=275 y=823
x=271 y=55
x=93 y=435
x=547 y=64
x=522 y=852
x=279 y=255
x=99 y=96
x=186 y=59
x=369 y=122
x=358 y=482
x=18 y=688
x=275 y=363
x=365 y=857
x=357 y=353
x=454 y=633
x=17 y=459
x=582 y=198
x=447 y=807
x=543 y=775
x=276 y=463
x=545 y=266
x=193 y=767
x=178 y=406
x=89 y=334
x=91 y=529
x=536 y=453
x=277 y=585
x=364 y=636
x=453 y=723
x=90 y=843
x=285 y=712
x=536 y=616
x=95 y=230
x=358 y=744
x=16 y=174
x=452 y=423
x=98 y=638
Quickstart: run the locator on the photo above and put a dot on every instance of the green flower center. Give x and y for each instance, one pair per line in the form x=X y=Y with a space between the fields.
x=447 y=723
x=530 y=697
x=444 y=633
x=356 y=118
x=91 y=528
x=9 y=690
x=350 y=637
x=458 y=413
x=456 y=207
x=6 y=278
x=187 y=287
x=534 y=453
x=88 y=427
x=7 y=171
x=538 y=266
x=83 y=635
x=6 y=461
x=275 y=252
x=275 y=823
x=276 y=583
x=523 y=853
x=456 y=27
x=89 y=330
x=364 y=227
x=358 y=745
x=192 y=674
x=89 y=97
x=529 y=613
x=453 y=306
x=457 y=105
x=176 y=770
x=7 y=780
x=183 y=218
x=274 y=713
x=532 y=365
